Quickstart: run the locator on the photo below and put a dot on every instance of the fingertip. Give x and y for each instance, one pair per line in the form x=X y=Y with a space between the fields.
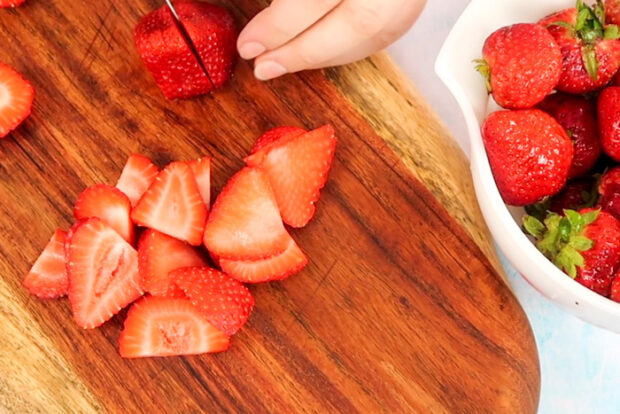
x=250 y=50
x=269 y=69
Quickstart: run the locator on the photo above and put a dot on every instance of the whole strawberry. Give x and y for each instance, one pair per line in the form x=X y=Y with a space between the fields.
x=522 y=65
x=575 y=195
x=612 y=11
x=590 y=51
x=615 y=288
x=609 y=191
x=578 y=117
x=529 y=153
x=609 y=121
x=584 y=244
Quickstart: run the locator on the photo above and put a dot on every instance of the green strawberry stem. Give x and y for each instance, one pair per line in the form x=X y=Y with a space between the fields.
x=483 y=68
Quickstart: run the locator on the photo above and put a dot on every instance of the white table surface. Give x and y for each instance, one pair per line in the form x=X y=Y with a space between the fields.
x=580 y=363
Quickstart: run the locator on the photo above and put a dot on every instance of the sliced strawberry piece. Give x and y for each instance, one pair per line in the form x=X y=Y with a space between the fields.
x=110 y=205
x=225 y=302
x=137 y=176
x=297 y=169
x=279 y=267
x=48 y=277
x=16 y=94
x=202 y=173
x=272 y=136
x=173 y=205
x=244 y=223
x=103 y=272
x=158 y=327
x=158 y=255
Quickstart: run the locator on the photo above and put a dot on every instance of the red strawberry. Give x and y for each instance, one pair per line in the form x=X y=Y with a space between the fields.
x=612 y=11
x=279 y=267
x=585 y=244
x=48 y=277
x=575 y=195
x=244 y=223
x=609 y=121
x=578 y=117
x=103 y=272
x=110 y=205
x=225 y=302
x=609 y=190
x=173 y=205
x=591 y=54
x=158 y=327
x=201 y=168
x=615 y=288
x=297 y=168
x=214 y=35
x=16 y=95
x=268 y=140
x=11 y=3
x=137 y=176
x=522 y=65
x=529 y=152
x=158 y=255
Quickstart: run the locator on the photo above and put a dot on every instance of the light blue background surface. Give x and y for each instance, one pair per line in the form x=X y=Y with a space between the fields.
x=580 y=363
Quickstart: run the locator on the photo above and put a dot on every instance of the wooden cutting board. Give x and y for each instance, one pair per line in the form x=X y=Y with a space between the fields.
x=400 y=310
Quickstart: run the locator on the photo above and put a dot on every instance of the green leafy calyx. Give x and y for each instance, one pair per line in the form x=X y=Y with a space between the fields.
x=483 y=68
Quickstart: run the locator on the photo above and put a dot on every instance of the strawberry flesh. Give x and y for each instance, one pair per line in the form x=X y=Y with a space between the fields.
x=269 y=139
x=47 y=278
x=201 y=168
x=16 y=96
x=137 y=176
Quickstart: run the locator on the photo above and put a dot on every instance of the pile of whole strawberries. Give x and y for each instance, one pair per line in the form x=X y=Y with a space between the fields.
x=556 y=147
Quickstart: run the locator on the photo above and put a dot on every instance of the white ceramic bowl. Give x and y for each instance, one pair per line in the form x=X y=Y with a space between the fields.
x=455 y=68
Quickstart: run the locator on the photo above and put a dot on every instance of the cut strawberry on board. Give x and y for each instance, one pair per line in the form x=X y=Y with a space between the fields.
x=48 y=277
x=110 y=205
x=137 y=176
x=297 y=168
x=16 y=95
x=158 y=327
x=173 y=205
x=244 y=223
x=279 y=267
x=103 y=272
x=202 y=173
x=225 y=302
x=274 y=135
x=158 y=255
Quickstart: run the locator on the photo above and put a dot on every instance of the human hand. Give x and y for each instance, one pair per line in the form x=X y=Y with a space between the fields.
x=293 y=35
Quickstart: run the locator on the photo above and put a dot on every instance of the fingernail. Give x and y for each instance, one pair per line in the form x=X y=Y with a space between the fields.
x=251 y=50
x=268 y=70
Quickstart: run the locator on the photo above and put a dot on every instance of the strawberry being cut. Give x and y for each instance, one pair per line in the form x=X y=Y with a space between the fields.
x=137 y=176
x=244 y=223
x=225 y=302
x=297 y=167
x=279 y=267
x=16 y=96
x=110 y=205
x=158 y=255
x=103 y=272
x=173 y=205
x=268 y=140
x=159 y=327
x=201 y=168
x=47 y=278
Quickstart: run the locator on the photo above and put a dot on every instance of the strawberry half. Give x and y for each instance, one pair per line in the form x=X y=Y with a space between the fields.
x=103 y=272
x=244 y=223
x=158 y=255
x=48 y=277
x=110 y=205
x=16 y=95
x=269 y=139
x=158 y=327
x=137 y=176
x=225 y=302
x=279 y=267
x=297 y=168
x=202 y=173
x=173 y=205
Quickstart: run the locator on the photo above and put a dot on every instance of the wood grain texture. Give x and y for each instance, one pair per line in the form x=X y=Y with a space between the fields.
x=398 y=311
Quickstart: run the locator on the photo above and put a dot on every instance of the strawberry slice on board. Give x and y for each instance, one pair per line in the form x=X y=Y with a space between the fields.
x=244 y=223
x=279 y=267
x=173 y=205
x=137 y=176
x=225 y=302
x=159 y=327
x=103 y=272
x=269 y=139
x=47 y=278
x=158 y=255
x=16 y=95
x=202 y=173
x=297 y=168
x=110 y=205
